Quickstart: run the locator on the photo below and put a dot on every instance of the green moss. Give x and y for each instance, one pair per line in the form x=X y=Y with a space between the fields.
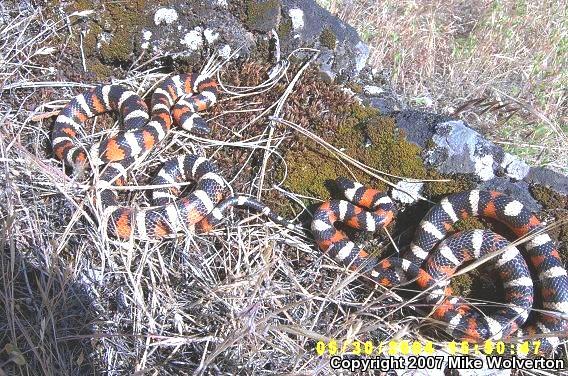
x=469 y=223
x=260 y=12
x=90 y=39
x=328 y=38
x=446 y=185
x=310 y=166
x=549 y=198
x=125 y=23
x=100 y=70
x=344 y=123
x=357 y=88
x=285 y=28
x=461 y=285
x=556 y=205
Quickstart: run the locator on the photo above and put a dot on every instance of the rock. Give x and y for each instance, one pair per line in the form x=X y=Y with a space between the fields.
x=407 y=192
x=514 y=167
x=185 y=32
x=459 y=149
x=305 y=24
x=453 y=148
x=419 y=126
x=548 y=178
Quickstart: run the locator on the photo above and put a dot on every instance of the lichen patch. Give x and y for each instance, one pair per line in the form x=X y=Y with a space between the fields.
x=297 y=17
x=165 y=16
x=194 y=39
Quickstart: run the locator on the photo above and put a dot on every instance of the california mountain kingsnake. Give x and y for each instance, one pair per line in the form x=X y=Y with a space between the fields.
x=370 y=210
x=178 y=97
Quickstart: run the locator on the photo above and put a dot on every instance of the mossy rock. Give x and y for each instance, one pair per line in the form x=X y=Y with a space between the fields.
x=445 y=185
x=332 y=114
x=262 y=15
x=111 y=36
x=328 y=38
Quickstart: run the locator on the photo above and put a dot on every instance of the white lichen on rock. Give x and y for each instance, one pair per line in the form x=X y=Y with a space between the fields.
x=165 y=16
x=194 y=39
x=373 y=90
x=210 y=36
x=225 y=51
x=361 y=56
x=514 y=167
x=484 y=167
x=297 y=17
x=460 y=149
x=407 y=192
x=146 y=35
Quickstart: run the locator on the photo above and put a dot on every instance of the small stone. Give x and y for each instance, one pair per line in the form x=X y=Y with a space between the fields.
x=165 y=16
x=297 y=17
x=407 y=192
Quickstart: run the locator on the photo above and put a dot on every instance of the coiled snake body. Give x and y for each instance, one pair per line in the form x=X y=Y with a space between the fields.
x=431 y=266
x=178 y=99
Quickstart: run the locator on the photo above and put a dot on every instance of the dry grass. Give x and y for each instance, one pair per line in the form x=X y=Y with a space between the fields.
x=249 y=298
x=501 y=64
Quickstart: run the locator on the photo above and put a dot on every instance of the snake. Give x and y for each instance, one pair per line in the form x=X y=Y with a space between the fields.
x=177 y=100
x=438 y=249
